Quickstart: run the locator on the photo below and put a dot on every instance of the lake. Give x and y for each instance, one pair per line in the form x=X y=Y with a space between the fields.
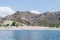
x=29 y=34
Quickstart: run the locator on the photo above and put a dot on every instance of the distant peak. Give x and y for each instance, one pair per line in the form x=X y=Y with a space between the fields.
x=17 y=11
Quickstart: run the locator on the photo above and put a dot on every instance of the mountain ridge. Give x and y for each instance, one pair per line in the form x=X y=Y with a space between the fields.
x=43 y=19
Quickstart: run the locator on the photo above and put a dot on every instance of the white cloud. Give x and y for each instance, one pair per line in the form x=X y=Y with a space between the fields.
x=35 y=11
x=4 y=11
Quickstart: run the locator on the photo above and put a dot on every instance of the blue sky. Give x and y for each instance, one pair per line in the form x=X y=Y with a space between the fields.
x=27 y=5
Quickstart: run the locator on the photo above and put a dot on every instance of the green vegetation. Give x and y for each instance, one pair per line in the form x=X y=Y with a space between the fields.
x=16 y=24
x=13 y=23
x=1 y=24
x=7 y=24
x=19 y=24
x=56 y=26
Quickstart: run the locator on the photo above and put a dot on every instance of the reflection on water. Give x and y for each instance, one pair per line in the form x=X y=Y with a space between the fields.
x=29 y=34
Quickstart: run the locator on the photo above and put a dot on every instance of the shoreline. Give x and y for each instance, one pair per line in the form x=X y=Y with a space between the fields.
x=28 y=28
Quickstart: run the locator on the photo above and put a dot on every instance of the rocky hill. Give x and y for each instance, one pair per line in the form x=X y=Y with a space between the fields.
x=25 y=17
x=28 y=18
x=1 y=20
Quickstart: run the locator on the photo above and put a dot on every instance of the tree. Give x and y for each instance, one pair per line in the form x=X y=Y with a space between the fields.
x=7 y=24
x=13 y=23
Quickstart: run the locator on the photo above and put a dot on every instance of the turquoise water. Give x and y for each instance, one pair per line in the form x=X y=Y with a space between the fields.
x=29 y=34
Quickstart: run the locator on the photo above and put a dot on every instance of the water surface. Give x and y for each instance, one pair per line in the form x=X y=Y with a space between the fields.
x=29 y=34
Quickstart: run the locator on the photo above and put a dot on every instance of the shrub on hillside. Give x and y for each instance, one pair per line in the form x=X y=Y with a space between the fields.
x=13 y=23
x=0 y=24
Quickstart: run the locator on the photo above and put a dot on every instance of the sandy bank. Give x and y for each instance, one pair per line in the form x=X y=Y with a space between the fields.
x=28 y=28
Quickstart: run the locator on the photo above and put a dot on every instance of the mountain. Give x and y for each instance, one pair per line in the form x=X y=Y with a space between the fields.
x=25 y=17
x=29 y=18
x=1 y=19
x=49 y=19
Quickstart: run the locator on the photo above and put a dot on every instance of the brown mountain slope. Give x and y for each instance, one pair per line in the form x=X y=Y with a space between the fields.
x=25 y=17
x=43 y=19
